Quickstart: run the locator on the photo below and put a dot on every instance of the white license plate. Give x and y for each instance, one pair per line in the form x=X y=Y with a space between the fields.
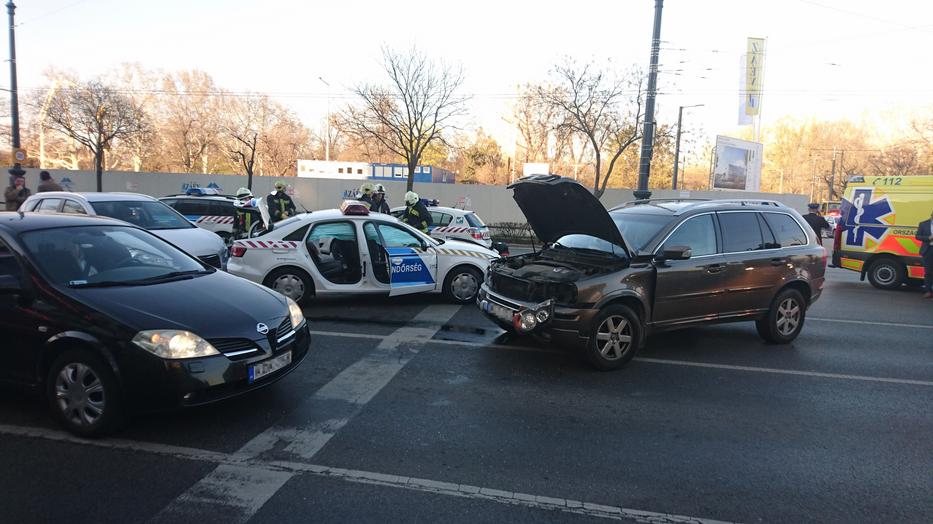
x=499 y=312
x=269 y=366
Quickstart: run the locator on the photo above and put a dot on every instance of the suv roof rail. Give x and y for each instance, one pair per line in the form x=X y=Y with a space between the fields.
x=645 y=201
x=751 y=202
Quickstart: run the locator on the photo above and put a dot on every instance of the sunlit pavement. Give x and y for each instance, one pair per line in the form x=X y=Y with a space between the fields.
x=415 y=410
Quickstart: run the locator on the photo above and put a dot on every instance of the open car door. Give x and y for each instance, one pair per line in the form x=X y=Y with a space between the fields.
x=412 y=264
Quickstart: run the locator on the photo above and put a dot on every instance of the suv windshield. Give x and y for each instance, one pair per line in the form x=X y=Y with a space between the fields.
x=143 y=213
x=639 y=230
x=96 y=256
x=588 y=243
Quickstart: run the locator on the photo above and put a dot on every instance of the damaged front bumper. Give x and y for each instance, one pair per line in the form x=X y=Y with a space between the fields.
x=548 y=319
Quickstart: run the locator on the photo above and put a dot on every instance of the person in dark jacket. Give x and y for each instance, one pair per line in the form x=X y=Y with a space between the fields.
x=416 y=213
x=16 y=193
x=243 y=218
x=925 y=236
x=365 y=194
x=46 y=183
x=379 y=204
x=817 y=222
x=281 y=206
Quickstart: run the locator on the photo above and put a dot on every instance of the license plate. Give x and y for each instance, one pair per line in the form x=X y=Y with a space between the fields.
x=272 y=365
x=498 y=311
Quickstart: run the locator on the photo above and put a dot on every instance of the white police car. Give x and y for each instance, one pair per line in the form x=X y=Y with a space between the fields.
x=451 y=223
x=349 y=251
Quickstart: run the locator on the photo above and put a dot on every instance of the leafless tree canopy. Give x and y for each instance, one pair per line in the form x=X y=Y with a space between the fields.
x=95 y=115
x=416 y=108
x=607 y=111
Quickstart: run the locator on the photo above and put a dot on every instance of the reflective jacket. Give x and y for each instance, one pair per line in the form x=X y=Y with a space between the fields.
x=418 y=217
x=242 y=221
x=280 y=204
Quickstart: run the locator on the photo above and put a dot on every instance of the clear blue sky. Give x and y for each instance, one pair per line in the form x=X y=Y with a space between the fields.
x=826 y=58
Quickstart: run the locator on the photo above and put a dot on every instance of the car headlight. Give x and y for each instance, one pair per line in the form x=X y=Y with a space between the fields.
x=171 y=343
x=294 y=311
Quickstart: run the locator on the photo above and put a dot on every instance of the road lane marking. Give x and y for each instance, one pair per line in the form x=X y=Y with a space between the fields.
x=242 y=471
x=688 y=363
x=233 y=494
x=870 y=323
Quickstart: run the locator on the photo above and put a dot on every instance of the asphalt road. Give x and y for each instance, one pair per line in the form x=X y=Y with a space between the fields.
x=414 y=410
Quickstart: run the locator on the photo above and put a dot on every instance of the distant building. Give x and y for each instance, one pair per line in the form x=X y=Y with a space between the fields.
x=372 y=171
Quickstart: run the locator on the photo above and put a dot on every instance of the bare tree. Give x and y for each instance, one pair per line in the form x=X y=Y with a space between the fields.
x=604 y=109
x=95 y=115
x=246 y=120
x=417 y=107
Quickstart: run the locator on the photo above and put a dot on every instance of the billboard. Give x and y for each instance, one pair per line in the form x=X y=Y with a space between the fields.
x=738 y=164
x=752 y=69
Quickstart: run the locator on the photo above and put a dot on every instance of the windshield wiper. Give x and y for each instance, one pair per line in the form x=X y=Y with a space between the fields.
x=75 y=284
x=174 y=275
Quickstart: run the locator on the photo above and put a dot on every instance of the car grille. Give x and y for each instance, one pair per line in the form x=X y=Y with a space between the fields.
x=518 y=289
x=235 y=348
x=510 y=287
x=211 y=260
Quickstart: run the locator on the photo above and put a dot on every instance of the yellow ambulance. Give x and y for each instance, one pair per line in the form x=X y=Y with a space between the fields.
x=875 y=235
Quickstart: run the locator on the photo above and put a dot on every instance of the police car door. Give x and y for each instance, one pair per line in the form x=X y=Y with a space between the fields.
x=412 y=263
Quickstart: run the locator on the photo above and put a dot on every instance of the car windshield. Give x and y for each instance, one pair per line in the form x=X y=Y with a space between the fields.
x=473 y=220
x=588 y=243
x=639 y=230
x=143 y=213
x=97 y=256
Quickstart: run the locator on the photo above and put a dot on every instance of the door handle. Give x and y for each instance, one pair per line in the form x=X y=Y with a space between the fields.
x=778 y=261
x=715 y=268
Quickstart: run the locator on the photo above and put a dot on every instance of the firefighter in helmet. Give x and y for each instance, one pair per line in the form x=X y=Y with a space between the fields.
x=244 y=218
x=366 y=194
x=281 y=206
x=379 y=200
x=416 y=213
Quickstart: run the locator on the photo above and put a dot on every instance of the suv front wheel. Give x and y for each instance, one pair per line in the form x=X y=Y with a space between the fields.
x=615 y=339
x=785 y=319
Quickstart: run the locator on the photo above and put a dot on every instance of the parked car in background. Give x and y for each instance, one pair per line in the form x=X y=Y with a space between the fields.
x=607 y=279
x=108 y=318
x=210 y=210
x=452 y=223
x=140 y=210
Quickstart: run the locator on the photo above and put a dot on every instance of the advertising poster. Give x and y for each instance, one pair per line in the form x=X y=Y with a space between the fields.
x=738 y=164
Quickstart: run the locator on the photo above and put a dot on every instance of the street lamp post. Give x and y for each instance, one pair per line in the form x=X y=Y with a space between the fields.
x=14 y=99
x=647 y=141
x=327 y=136
x=680 y=117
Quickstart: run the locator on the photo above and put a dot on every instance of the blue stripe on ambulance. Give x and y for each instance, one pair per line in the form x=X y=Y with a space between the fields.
x=408 y=268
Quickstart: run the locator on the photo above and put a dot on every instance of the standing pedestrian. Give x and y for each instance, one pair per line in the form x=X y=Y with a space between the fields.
x=925 y=236
x=16 y=193
x=380 y=205
x=47 y=183
x=817 y=222
x=416 y=213
x=366 y=194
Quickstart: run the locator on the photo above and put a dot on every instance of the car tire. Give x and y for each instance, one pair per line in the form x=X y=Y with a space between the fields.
x=617 y=336
x=462 y=284
x=291 y=282
x=784 y=319
x=886 y=273
x=84 y=395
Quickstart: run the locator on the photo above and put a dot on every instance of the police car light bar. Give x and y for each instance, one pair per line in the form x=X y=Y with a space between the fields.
x=354 y=208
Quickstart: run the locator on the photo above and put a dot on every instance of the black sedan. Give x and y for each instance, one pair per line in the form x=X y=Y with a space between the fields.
x=107 y=317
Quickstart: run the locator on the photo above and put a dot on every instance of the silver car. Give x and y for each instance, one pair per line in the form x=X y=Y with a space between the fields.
x=140 y=210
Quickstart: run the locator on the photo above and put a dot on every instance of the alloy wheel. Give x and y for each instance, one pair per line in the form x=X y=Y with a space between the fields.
x=788 y=317
x=80 y=394
x=289 y=285
x=614 y=337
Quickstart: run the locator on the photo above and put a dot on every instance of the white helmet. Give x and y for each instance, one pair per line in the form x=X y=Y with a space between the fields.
x=411 y=198
x=379 y=188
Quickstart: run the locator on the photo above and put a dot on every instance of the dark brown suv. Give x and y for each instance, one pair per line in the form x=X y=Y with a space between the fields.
x=606 y=279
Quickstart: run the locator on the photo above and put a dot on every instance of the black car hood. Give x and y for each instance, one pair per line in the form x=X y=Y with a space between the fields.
x=218 y=305
x=557 y=206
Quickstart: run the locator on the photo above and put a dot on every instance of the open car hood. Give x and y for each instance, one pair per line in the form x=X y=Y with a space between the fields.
x=557 y=206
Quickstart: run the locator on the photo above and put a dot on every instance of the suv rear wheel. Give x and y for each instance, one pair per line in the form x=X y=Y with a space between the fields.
x=616 y=338
x=886 y=273
x=785 y=319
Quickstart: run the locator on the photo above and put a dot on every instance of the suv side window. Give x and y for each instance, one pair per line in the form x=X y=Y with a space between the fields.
x=741 y=232
x=698 y=233
x=786 y=229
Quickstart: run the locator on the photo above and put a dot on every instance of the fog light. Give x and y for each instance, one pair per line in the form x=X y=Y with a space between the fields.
x=543 y=316
x=528 y=321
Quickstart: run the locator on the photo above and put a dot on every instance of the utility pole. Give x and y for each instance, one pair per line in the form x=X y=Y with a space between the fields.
x=647 y=141
x=680 y=117
x=327 y=137
x=832 y=184
x=14 y=98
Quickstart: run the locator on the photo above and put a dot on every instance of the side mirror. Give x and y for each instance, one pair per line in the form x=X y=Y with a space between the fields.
x=10 y=285
x=676 y=253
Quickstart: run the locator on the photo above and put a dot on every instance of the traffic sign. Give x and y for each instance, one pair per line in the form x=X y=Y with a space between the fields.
x=19 y=154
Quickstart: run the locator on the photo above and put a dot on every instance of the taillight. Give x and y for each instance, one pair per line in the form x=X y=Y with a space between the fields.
x=476 y=233
x=237 y=250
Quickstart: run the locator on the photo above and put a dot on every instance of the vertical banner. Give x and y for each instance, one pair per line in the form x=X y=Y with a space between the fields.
x=738 y=164
x=752 y=71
